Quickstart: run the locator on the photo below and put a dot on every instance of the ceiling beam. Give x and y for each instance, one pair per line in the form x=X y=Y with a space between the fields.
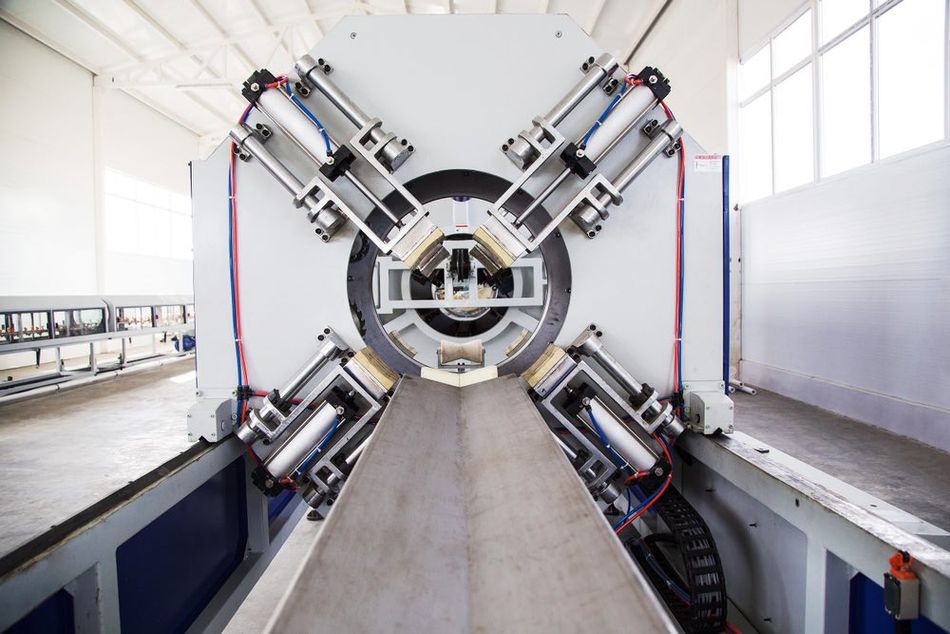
x=598 y=12
x=98 y=28
x=635 y=46
x=210 y=19
x=149 y=19
x=263 y=17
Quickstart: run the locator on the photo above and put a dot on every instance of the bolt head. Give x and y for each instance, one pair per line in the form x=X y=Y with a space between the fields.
x=579 y=154
x=652 y=79
x=558 y=34
x=658 y=471
x=255 y=87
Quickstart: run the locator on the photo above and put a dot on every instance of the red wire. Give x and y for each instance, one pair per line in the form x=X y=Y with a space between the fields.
x=677 y=334
x=666 y=484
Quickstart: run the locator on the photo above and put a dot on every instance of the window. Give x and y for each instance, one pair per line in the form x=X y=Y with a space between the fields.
x=910 y=44
x=846 y=104
x=144 y=219
x=846 y=82
x=793 y=130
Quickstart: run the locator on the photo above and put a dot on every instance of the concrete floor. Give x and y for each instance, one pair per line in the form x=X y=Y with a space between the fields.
x=903 y=472
x=62 y=452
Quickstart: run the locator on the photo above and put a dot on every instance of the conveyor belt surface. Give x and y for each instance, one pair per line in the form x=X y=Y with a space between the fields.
x=463 y=515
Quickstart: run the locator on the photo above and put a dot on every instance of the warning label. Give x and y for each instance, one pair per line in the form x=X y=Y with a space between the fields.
x=707 y=163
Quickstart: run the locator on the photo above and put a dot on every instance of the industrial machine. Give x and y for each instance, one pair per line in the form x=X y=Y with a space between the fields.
x=462 y=290
x=472 y=250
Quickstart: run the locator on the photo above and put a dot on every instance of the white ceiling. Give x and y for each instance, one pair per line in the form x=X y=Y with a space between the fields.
x=188 y=58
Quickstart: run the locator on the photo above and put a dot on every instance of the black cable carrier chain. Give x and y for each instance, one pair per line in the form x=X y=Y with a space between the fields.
x=705 y=582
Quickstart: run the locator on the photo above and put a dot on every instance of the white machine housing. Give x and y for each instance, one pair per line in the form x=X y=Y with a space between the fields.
x=436 y=81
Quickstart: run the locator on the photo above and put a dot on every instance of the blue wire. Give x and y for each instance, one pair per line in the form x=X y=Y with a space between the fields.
x=619 y=461
x=237 y=351
x=682 y=282
x=672 y=585
x=603 y=116
x=310 y=115
x=306 y=463
x=631 y=511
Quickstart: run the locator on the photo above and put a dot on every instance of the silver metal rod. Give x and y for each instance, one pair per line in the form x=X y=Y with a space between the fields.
x=633 y=123
x=372 y=197
x=243 y=135
x=603 y=67
x=343 y=103
x=542 y=197
x=306 y=373
x=668 y=133
x=320 y=160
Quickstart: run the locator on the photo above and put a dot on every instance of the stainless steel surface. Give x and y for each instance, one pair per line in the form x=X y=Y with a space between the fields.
x=540 y=198
x=668 y=133
x=309 y=69
x=522 y=151
x=486 y=528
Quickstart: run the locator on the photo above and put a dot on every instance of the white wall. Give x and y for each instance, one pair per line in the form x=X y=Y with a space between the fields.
x=58 y=133
x=694 y=44
x=140 y=142
x=47 y=202
x=847 y=294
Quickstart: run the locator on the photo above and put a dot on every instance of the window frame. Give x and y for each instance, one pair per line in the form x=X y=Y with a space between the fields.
x=870 y=20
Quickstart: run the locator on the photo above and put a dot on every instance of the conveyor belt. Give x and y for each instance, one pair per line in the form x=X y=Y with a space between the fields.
x=461 y=516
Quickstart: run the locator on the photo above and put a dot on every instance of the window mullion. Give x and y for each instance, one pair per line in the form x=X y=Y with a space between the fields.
x=875 y=110
x=772 y=115
x=817 y=96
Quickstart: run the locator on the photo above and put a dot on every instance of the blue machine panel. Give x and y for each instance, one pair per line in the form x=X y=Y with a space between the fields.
x=52 y=616
x=170 y=570
x=278 y=503
x=867 y=615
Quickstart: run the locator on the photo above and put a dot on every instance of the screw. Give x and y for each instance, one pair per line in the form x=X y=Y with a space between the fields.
x=557 y=34
x=652 y=79
x=255 y=87
x=658 y=471
x=579 y=154
x=353 y=35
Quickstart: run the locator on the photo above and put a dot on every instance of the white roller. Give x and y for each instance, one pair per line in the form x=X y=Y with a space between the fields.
x=631 y=107
x=303 y=442
x=623 y=441
x=293 y=122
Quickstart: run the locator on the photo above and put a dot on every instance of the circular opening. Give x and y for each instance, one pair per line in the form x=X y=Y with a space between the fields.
x=460 y=317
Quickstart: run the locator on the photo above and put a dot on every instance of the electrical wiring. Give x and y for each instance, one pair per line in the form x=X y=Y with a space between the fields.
x=313 y=454
x=680 y=265
x=633 y=514
x=681 y=594
x=618 y=459
x=629 y=80
x=310 y=115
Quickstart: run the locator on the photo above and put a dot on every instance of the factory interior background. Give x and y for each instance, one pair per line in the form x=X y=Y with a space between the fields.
x=816 y=151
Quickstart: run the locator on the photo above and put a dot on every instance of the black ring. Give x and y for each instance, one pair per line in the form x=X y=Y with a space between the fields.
x=436 y=186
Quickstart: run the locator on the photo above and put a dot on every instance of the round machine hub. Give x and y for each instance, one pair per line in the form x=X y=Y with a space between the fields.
x=509 y=318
